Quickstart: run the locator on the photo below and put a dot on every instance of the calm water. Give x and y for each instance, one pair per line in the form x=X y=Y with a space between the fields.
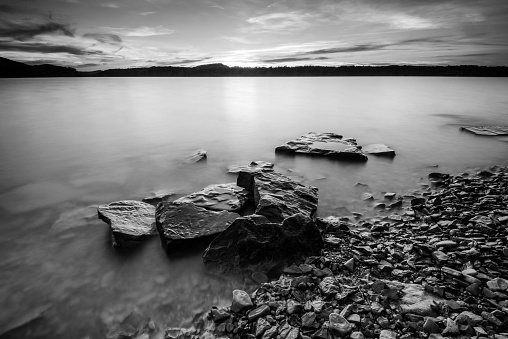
x=67 y=145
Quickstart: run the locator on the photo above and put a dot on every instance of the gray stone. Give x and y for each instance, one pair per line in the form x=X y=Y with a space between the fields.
x=387 y=334
x=328 y=286
x=378 y=149
x=219 y=197
x=157 y=196
x=430 y=326
x=186 y=222
x=440 y=257
x=338 y=324
x=253 y=167
x=415 y=299
x=498 y=284
x=277 y=196
x=131 y=221
x=350 y=264
x=196 y=156
x=241 y=301
x=328 y=145
x=487 y=130
x=451 y=327
x=357 y=335
x=258 y=312
x=254 y=244
x=468 y=317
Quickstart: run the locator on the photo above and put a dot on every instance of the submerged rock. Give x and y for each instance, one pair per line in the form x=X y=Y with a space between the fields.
x=487 y=130
x=378 y=149
x=253 y=167
x=196 y=156
x=329 y=145
x=182 y=222
x=131 y=221
x=253 y=243
x=277 y=197
x=220 y=197
x=157 y=196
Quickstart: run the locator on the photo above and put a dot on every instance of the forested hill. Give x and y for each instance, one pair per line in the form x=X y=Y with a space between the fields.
x=14 y=69
x=9 y=68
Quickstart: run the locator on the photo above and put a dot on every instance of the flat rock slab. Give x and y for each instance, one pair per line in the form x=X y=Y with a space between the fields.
x=278 y=197
x=157 y=196
x=415 y=299
x=378 y=149
x=255 y=244
x=253 y=167
x=220 y=197
x=487 y=130
x=329 y=145
x=131 y=221
x=178 y=223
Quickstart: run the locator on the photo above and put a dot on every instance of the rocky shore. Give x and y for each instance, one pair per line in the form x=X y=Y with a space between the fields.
x=430 y=265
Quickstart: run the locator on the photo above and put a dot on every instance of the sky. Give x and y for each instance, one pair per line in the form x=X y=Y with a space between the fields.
x=104 y=34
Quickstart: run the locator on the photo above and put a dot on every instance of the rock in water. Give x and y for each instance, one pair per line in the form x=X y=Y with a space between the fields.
x=253 y=243
x=378 y=149
x=255 y=166
x=220 y=197
x=131 y=221
x=179 y=223
x=196 y=156
x=278 y=197
x=328 y=145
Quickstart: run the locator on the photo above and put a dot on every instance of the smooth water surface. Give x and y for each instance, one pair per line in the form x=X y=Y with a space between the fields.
x=69 y=144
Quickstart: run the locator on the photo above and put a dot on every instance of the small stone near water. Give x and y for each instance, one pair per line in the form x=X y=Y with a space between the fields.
x=241 y=301
x=339 y=324
x=378 y=149
x=131 y=221
x=196 y=156
x=253 y=167
x=258 y=312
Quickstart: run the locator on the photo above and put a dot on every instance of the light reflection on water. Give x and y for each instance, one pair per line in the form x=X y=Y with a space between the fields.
x=68 y=145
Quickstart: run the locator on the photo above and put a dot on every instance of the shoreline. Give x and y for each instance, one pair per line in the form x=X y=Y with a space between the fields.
x=439 y=270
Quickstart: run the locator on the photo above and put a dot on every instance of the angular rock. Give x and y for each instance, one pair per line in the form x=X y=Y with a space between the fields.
x=186 y=222
x=339 y=325
x=378 y=149
x=157 y=196
x=241 y=301
x=415 y=299
x=219 y=197
x=277 y=196
x=430 y=326
x=451 y=327
x=387 y=334
x=253 y=243
x=468 y=317
x=328 y=286
x=131 y=221
x=328 y=145
x=498 y=284
x=258 y=312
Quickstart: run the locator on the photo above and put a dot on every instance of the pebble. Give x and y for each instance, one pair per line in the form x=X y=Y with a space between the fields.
x=339 y=324
x=241 y=301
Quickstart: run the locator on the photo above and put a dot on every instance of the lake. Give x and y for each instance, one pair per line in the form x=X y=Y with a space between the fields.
x=70 y=144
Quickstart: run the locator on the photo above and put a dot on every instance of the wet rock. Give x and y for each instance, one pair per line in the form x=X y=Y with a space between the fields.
x=487 y=130
x=258 y=312
x=157 y=196
x=21 y=320
x=415 y=299
x=451 y=328
x=350 y=264
x=196 y=156
x=219 y=197
x=131 y=221
x=277 y=196
x=254 y=244
x=329 y=145
x=378 y=149
x=183 y=223
x=430 y=326
x=241 y=301
x=387 y=334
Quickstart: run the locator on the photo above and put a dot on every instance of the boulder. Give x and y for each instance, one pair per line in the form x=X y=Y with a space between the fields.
x=277 y=197
x=328 y=145
x=378 y=149
x=179 y=223
x=253 y=167
x=415 y=299
x=220 y=197
x=254 y=244
x=131 y=221
x=196 y=156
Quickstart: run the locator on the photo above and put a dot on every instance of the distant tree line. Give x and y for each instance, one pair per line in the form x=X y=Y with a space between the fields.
x=9 y=68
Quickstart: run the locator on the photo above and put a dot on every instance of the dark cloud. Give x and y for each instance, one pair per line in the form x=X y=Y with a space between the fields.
x=26 y=29
x=179 y=62
x=105 y=38
x=36 y=47
x=87 y=65
x=292 y=59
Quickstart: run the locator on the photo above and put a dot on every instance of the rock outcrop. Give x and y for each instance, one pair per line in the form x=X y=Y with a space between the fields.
x=131 y=221
x=253 y=167
x=378 y=149
x=277 y=197
x=254 y=244
x=328 y=145
x=220 y=197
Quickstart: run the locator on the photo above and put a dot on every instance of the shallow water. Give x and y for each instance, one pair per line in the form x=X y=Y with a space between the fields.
x=68 y=145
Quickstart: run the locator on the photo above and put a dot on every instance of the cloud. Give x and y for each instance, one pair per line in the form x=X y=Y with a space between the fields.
x=39 y=47
x=26 y=29
x=143 y=31
x=290 y=21
x=110 y=5
x=104 y=38
x=292 y=59
x=147 y=13
x=181 y=61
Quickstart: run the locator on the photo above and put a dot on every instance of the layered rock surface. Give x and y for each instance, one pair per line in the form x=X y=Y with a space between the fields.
x=329 y=145
x=131 y=221
x=487 y=130
x=220 y=197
